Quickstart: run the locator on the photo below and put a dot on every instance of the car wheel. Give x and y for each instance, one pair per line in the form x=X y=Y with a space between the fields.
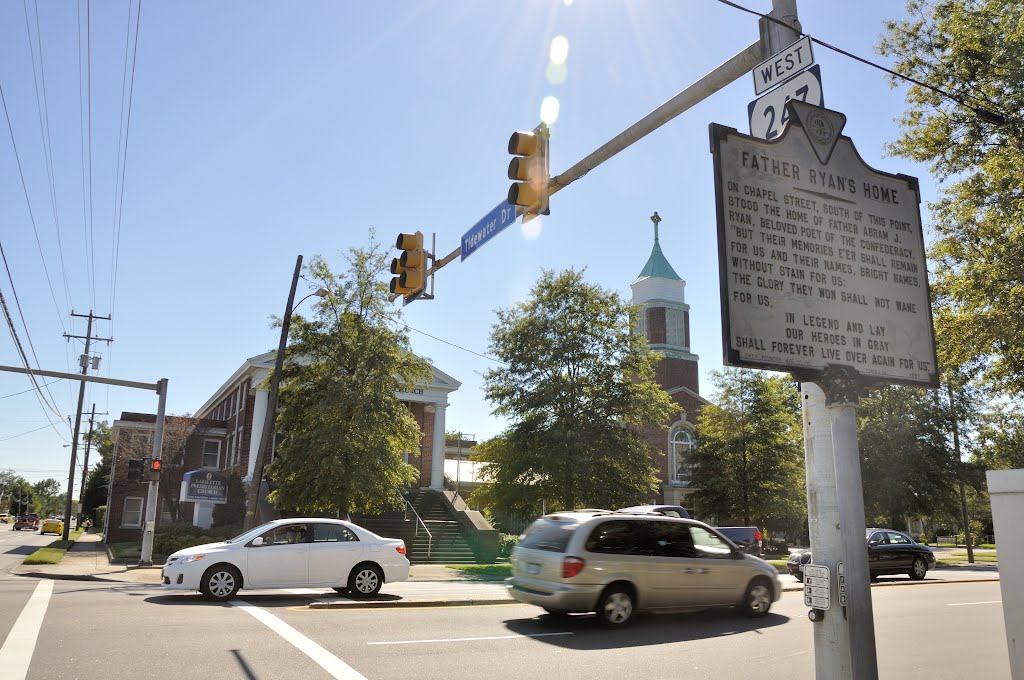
x=757 y=600
x=365 y=580
x=220 y=582
x=616 y=607
x=918 y=569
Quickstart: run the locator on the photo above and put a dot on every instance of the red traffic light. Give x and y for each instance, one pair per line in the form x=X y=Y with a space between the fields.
x=155 y=465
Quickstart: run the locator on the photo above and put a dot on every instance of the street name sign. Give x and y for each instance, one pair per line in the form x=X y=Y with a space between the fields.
x=816 y=586
x=821 y=257
x=782 y=66
x=769 y=115
x=489 y=226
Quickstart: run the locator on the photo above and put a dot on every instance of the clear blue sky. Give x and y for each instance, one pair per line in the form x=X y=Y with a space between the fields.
x=264 y=130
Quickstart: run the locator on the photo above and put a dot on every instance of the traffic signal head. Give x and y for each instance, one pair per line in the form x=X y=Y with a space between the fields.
x=410 y=267
x=154 y=469
x=530 y=170
x=135 y=469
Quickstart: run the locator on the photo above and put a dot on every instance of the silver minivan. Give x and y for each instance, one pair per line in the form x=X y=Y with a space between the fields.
x=617 y=564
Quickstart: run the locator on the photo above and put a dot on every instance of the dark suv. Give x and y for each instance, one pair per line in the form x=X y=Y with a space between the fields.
x=747 y=539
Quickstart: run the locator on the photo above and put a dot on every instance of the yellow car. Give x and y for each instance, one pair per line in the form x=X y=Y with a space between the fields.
x=52 y=526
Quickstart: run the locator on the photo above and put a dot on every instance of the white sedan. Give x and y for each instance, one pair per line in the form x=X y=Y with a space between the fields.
x=288 y=553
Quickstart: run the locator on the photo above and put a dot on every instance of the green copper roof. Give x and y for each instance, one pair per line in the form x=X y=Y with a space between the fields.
x=657 y=266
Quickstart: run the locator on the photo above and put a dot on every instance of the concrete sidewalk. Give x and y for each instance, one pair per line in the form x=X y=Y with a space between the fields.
x=428 y=584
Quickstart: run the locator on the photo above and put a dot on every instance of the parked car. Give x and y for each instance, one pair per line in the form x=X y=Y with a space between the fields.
x=29 y=521
x=290 y=553
x=617 y=564
x=3 y=517
x=667 y=510
x=52 y=526
x=747 y=539
x=889 y=552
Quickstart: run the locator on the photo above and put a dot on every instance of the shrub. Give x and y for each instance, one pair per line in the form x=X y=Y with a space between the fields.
x=101 y=516
x=233 y=512
x=172 y=537
x=922 y=539
x=507 y=542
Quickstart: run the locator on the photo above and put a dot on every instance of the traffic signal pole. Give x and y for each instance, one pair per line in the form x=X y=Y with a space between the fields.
x=153 y=498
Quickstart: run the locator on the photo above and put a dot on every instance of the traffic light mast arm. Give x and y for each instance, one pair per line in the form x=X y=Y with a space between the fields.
x=735 y=67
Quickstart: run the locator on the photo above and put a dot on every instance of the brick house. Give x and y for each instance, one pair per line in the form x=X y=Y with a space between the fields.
x=664 y=320
x=188 y=444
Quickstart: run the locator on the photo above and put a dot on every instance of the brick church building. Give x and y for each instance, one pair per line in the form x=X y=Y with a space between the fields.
x=665 y=321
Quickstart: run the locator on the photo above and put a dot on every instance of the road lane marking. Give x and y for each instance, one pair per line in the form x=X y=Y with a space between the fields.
x=16 y=654
x=469 y=639
x=330 y=663
x=964 y=604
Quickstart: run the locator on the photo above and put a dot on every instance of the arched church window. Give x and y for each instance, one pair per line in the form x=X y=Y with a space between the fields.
x=680 y=448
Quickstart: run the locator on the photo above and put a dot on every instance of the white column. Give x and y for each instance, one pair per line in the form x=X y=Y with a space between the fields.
x=437 y=455
x=1006 y=489
x=259 y=415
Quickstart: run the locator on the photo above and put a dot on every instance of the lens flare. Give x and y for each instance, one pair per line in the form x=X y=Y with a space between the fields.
x=549 y=109
x=531 y=230
x=559 y=49
x=557 y=73
x=568 y=3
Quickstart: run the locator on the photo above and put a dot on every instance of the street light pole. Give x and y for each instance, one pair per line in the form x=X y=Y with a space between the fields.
x=266 y=438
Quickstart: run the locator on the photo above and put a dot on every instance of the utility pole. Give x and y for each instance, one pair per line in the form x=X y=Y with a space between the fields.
x=84 y=361
x=262 y=453
x=153 y=497
x=85 y=461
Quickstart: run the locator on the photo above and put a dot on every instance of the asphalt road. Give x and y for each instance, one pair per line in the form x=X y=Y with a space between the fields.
x=115 y=631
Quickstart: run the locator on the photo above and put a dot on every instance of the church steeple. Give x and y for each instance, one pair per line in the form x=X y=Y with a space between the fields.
x=657 y=266
x=665 y=318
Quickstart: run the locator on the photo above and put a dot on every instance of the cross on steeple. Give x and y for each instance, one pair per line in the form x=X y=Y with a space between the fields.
x=655 y=219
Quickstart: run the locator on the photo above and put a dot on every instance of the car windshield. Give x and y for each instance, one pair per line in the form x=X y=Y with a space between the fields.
x=548 y=534
x=251 y=533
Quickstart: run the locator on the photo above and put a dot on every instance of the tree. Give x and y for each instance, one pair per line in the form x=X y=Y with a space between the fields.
x=971 y=49
x=907 y=463
x=578 y=382
x=342 y=428
x=748 y=467
x=49 y=498
x=97 y=482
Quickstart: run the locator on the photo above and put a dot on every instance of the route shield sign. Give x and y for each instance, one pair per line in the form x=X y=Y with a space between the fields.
x=821 y=257
x=769 y=115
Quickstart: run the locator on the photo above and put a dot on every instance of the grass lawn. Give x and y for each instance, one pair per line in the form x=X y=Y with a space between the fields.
x=484 y=572
x=778 y=564
x=53 y=553
x=131 y=550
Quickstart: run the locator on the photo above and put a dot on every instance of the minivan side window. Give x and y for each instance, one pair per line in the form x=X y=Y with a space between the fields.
x=673 y=539
x=708 y=545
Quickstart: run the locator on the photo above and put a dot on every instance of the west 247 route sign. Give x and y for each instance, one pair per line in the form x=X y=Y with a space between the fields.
x=822 y=258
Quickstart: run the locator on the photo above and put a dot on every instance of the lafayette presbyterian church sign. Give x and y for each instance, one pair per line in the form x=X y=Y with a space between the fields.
x=821 y=257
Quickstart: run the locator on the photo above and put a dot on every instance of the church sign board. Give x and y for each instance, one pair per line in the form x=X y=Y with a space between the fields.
x=206 y=486
x=821 y=257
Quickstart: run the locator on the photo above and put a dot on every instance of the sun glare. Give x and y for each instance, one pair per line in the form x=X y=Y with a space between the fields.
x=531 y=230
x=559 y=49
x=557 y=73
x=549 y=107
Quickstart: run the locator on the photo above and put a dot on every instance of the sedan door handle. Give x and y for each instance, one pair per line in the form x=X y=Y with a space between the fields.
x=695 y=570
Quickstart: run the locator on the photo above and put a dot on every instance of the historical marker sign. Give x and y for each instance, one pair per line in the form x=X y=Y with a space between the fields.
x=822 y=258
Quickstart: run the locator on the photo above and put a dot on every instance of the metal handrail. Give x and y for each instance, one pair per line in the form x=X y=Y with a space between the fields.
x=420 y=523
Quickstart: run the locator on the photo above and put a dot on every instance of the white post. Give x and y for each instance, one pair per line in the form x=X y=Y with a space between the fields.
x=259 y=415
x=1006 y=490
x=842 y=407
x=437 y=448
x=831 y=636
x=152 y=500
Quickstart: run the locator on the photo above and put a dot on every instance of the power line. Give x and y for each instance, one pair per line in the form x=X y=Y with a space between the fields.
x=28 y=203
x=90 y=234
x=985 y=114
x=29 y=390
x=42 y=109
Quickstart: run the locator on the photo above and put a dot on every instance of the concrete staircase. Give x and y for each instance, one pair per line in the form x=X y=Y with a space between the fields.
x=447 y=542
